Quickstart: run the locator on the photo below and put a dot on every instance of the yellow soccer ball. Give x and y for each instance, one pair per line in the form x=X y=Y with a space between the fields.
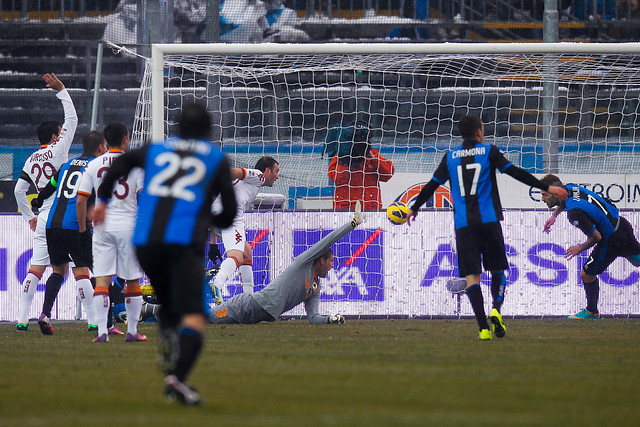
x=148 y=291
x=398 y=213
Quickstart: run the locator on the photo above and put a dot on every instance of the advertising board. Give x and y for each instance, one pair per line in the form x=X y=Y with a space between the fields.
x=383 y=269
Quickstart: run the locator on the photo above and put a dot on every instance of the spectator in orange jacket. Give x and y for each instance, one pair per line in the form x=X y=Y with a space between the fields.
x=357 y=169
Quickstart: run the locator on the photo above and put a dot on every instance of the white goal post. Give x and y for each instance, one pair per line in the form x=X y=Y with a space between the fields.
x=158 y=51
x=571 y=109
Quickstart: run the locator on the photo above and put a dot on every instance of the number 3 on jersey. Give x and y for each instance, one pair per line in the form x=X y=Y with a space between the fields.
x=122 y=182
x=475 y=167
x=177 y=174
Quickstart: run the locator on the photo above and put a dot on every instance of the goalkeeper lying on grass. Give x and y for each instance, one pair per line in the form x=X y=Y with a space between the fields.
x=298 y=283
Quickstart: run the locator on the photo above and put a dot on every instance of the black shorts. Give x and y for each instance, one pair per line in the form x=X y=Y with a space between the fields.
x=622 y=244
x=69 y=245
x=479 y=245
x=177 y=276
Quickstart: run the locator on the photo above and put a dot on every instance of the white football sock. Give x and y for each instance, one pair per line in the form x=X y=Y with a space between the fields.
x=85 y=292
x=133 y=306
x=101 y=305
x=29 y=286
x=227 y=268
x=246 y=273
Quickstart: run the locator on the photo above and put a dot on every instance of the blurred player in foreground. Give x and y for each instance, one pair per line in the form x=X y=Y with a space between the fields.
x=297 y=283
x=607 y=232
x=471 y=169
x=246 y=184
x=113 y=253
x=182 y=176
x=55 y=141
x=64 y=242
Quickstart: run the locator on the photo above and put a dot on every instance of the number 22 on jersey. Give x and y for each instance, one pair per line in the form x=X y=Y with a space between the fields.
x=177 y=174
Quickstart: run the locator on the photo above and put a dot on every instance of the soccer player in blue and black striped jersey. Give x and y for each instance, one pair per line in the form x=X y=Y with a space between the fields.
x=64 y=241
x=610 y=234
x=182 y=176
x=471 y=169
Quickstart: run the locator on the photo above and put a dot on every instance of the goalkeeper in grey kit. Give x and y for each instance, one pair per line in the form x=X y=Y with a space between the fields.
x=297 y=283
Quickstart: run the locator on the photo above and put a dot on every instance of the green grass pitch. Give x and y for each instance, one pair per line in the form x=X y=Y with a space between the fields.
x=545 y=372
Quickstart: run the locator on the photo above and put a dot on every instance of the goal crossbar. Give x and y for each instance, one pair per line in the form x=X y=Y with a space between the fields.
x=159 y=50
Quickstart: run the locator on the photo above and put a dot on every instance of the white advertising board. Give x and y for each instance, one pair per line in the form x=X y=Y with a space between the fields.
x=16 y=245
x=386 y=270
x=623 y=190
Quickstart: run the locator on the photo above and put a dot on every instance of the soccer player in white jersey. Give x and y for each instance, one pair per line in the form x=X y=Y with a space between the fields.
x=246 y=185
x=113 y=252
x=55 y=141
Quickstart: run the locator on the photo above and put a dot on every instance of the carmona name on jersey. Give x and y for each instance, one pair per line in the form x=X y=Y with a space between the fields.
x=475 y=151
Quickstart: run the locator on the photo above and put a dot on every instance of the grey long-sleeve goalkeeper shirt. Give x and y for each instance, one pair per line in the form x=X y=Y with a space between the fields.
x=297 y=284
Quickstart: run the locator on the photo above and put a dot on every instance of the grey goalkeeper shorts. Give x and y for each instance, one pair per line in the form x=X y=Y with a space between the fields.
x=241 y=308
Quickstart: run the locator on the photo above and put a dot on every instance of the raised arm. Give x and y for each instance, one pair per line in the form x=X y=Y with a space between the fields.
x=325 y=243
x=70 y=124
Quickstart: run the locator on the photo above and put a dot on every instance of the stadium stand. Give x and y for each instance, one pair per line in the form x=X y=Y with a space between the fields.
x=36 y=37
x=30 y=48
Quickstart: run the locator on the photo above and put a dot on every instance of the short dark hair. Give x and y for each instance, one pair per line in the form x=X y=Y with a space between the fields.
x=326 y=255
x=114 y=133
x=265 y=162
x=194 y=122
x=46 y=129
x=551 y=180
x=91 y=142
x=468 y=125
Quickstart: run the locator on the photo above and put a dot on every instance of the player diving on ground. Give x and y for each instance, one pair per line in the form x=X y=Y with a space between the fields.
x=297 y=283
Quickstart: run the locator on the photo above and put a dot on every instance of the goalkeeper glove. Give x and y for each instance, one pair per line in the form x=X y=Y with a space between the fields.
x=335 y=319
x=36 y=203
x=214 y=253
x=358 y=216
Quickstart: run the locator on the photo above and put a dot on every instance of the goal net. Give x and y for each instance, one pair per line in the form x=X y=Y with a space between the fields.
x=568 y=109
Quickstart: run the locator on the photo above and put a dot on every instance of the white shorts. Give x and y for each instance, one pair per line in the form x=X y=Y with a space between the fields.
x=114 y=255
x=233 y=237
x=40 y=255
